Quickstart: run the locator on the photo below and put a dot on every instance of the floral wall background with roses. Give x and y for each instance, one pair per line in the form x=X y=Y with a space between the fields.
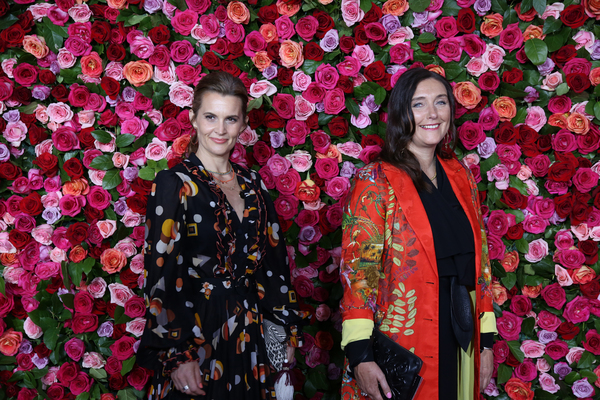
x=94 y=98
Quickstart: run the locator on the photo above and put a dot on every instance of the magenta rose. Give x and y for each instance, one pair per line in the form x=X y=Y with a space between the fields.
x=99 y=198
x=64 y=139
x=511 y=37
x=585 y=179
x=337 y=187
x=327 y=76
x=304 y=286
x=286 y=184
x=496 y=247
x=548 y=321
x=554 y=295
x=446 y=27
x=254 y=43
x=509 y=326
x=450 y=49
x=401 y=53
x=184 y=21
x=497 y=223
x=75 y=348
x=501 y=351
x=592 y=342
x=286 y=207
x=557 y=349
x=520 y=305
x=181 y=51
x=335 y=102
x=296 y=132
x=284 y=105
x=307 y=27
x=471 y=134
x=577 y=310
x=526 y=371
x=122 y=349
x=571 y=258
x=327 y=168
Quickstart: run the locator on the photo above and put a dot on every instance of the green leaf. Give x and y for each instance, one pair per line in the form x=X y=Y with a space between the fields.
x=520 y=117
x=450 y=8
x=597 y=109
x=511 y=91
x=255 y=104
x=7 y=21
x=515 y=349
x=6 y=360
x=51 y=337
x=98 y=374
x=572 y=377
x=586 y=361
x=365 y=5
x=419 y=5
x=509 y=280
x=556 y=40
x=352 y=107
x=146 y=90
x=111 y=179
x=552 y=25
x=519 y=216
x=102 y=136
x=522 y=245
x=128 y=365
x=2 y=285
x=88 y=264
x=526 y=5
x=68 y=299
x=537 y=51
x=125 y=140
x=561 y=89
x=426 y=37
x=533 y=280
x=75 y=271
x=489 y=163
x=65 y=273
x=135 y=19
x=103 y=162
x=527 y=326
x=147 y=174
x=310 y=66
x=589 y=107
x=126 y=394
x=541 y=394
x=539 y=5
x=504 y=373
x=83 y=396
x=591 y=377
x=380 y=95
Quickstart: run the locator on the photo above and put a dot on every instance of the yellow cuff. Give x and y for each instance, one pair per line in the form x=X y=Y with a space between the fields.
x=356 y=329
x=488 y=323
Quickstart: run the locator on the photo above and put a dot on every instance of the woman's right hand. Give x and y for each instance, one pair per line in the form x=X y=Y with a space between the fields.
x=188 y=374
x=369 y=377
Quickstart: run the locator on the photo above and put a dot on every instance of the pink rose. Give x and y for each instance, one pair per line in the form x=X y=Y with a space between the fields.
x=350 y=149
x=574 y=354
x=585 y=179
x=304 y=286
x=286 y=183
x=536 y=118
x=562 y=276
x=535 y=224
x=278 y=165
x=119 y=293
x=551 y=82
x=303 y=108
x=97 y=287
x=364 y=54
x=401 y=53
x=75 y=348
x=337 y=187
x=93 y=360
x=563 y=240
x=509 y=326
x=511 y=37
x=548 y=383
x=577 y=310
x=136 y=326
x=156 y=150
x=300 y=81
x=135 y=126
x=538 y=249
x=181 y=94
x=327 y=76
x=349 y=67
x=335 y=102
x=301 y=160
x=351 y=12
x=532 y=348
x=31 y=329
x=493 y=56
x=47 y=270
x=260 y=88
x=59 y=112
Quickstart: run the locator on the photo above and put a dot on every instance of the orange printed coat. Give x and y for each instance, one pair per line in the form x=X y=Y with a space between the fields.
x=389 y=271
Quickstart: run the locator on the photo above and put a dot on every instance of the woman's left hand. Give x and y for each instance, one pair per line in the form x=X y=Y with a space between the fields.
x=486 y=368
x=290 y=354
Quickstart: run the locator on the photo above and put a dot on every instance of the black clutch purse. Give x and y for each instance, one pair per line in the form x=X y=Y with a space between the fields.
x=400 y=366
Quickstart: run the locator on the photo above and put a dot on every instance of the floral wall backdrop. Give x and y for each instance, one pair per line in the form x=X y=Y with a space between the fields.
x=94 y=98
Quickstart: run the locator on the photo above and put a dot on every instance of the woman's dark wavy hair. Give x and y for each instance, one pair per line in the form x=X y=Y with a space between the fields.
x=219 y=82
x=401 y=125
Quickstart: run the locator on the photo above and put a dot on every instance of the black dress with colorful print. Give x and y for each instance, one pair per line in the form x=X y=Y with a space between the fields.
x=210 y=281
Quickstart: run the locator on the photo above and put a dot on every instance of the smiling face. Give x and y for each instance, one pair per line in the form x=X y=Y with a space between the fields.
x=219 y=121
x=432 y=115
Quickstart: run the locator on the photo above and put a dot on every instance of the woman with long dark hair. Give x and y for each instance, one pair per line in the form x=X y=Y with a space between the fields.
x=415 y=263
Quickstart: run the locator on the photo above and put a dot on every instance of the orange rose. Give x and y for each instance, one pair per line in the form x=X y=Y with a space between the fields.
x=332 y=152
x=180 y=144
x=268 y=32
x=307 y=190
x=10 y=342
x=325 y=2
x=510 y=262
x=238 y=12
x=467 y=94
x=533 y=32
x=8 y=259
x=36 y=46
x=492 y=25
x=137 y=72
x=77 y=254
x=261 y=60
x=76 y=187
x=592 y=8
x=595 y=76
x=516 y=389
x=583 y=275
x=112 y=260
x=532 y=291
x=395 y=7
x=437 y=69
x=499 y=292
x=578 y=123
x=559 y=120
x=291 y=54
x=117 y=4
x=288 y=7
x=505 y=107
x=92 y=65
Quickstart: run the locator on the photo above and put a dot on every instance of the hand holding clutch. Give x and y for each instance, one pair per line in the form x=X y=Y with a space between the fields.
x=369 y=378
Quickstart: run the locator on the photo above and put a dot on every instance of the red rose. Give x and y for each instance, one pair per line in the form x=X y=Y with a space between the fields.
x=22 y=95
x=268 y=14
x=580 y=212
x=465 y=21
x=100 y=31
x=325 y=23
x=211 y=61
x=375 y=71
x=77 y=233
x=170 y=110
x=428 y=47
x=564 y=54
x=10 y=171
x=360 y=35
x=115 y=52
x=118 y=330
x=60 y=93
x=273 y=51
x=513 y=76
x=573 y=16
x=42 y=351
x=561 y=171
x=505 y=134
x=73 y=168
x=83 y=302
x=48 y=163
x=590 y=290
x=284 y=75
x=82 y=323
x=313 y=51
x=13 y=35
x=122 y=349
x=160 y=35
x=567 y=330
x=3 y=8
x=347 y=44
x=515 y=232
x=129 y=279
x=229 y=67
x=98 y=10
x=137 y=203
x=274 y=121
x=55 y=392
x=237 y=50
x=111 y=86
x=220 y=47
x=345 y=83
x=526 y=135
x=489 y=81
x=373 y=15
x=338 y=126
x=117 y=381
x=578 y=82
x=262 y=152
x=528 y=16
x=138 y=377
x=513 y=198
x=32 y=204
x=67 y=372
x=323 y=340
x=313 y=121
x=47 y=77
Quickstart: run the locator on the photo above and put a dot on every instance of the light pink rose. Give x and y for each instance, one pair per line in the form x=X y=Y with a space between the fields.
x=139 y=45
x=401 y=35
x=120 y=160
x=119 y=293
x=551 y=82
x=300 y=82
x=562 y=276
x=156 y=150
x=248 y=137
x=59 y=112
x=532 y=348
x=200 y=33
x=536 y=118
x=93 y=360
x=50 y=377
x=31 y=329
x=135 y=126
x=476 y=66
x=493 y=56
x=263 y=87
x=351 y=12
x=15 y=133
x=548 y=383
x=66 y=59
x=107 y=227
x=181 y=94
x=43 y=233
x=584 y=39
x=303 y=108
x=131 y=219
x=574 y=354
x=350 y=149
x=97 y=287
x=136 y=326
x=581 y=231
x=542 y=365
x=553 y=10
x=301 y=160
x=538 y=249
x=364 y=54
x=114 y=70
x=499 y=174
x=127 y=247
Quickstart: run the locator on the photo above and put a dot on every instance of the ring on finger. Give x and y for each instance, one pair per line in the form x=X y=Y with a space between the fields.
x=186 y=387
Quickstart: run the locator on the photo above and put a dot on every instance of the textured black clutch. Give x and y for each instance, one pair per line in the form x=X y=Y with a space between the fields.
x=400 y=366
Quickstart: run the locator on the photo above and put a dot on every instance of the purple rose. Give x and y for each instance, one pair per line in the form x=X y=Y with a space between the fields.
x=583 y=389
x=562 y=369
